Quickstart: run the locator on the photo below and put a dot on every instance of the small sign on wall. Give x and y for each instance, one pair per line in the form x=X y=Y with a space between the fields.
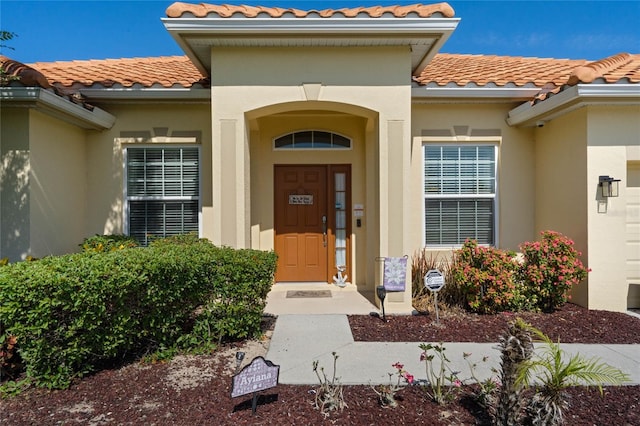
x=299 y=199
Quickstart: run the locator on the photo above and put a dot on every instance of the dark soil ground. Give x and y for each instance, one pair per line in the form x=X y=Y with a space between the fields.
x=195 y=390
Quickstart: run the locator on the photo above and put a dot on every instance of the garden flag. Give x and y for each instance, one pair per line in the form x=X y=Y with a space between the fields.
x=395 y=273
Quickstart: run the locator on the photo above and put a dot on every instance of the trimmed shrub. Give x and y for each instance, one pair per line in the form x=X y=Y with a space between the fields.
x=488 y=279
x=104 y=243
x=551 y=267
x=70 y=314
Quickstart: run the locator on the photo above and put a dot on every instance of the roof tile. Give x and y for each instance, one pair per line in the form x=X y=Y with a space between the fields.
x=611 y=69
x=453 y=69
x=444 y=70
x=14 y=70
x=176 y=10
x=165 y=71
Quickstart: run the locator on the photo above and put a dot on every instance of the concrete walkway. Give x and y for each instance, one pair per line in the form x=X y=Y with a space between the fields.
x=304 y=334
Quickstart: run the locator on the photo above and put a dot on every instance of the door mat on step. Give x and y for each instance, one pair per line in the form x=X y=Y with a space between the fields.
x=305 y=294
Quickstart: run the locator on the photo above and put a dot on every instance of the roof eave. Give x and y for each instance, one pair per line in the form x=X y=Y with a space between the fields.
x=573 y=98
x=51 y=104
x=424 y=94
x=147 y=94
x=189 y=31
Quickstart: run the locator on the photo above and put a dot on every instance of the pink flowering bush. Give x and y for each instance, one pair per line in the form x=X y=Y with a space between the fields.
x=550 y=268
x=488 y=279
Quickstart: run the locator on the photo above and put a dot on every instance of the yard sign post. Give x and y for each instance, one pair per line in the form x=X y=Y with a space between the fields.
x=434 y=281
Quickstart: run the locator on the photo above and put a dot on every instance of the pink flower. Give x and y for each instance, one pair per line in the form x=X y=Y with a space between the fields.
x=398 y=366
x=457 y=383
x=423 y=356
x=408 y=377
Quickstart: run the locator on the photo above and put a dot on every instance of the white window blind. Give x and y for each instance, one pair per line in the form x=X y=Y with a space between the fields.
x=459 y=194
x=162 y=191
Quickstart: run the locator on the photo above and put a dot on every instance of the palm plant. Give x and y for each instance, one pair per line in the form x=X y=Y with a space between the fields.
x=516 y=347
x=546 y=407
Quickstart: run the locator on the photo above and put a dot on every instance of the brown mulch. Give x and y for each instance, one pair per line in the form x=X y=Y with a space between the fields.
x=569 y=324
x=196 y=390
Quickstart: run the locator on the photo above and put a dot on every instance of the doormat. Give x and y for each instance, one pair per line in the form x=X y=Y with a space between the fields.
x=307 y=294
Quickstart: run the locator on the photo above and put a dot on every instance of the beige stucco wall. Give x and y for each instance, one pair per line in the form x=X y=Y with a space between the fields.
x=57 y=181
x=159 y=123
x=480 y=123
x=369 y=85
x=15 y=200
x=562 y=183
x=613 y=133
x=572 y=151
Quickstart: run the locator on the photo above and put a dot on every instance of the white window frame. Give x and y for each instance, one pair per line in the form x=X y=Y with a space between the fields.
x=323 y=148
x=181 y=144
x=460 y=142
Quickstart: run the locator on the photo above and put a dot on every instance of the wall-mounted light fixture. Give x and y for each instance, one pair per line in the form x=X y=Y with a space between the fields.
x=608 y=186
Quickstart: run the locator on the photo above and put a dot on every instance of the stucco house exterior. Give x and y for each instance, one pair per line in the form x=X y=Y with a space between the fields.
x=334 y=137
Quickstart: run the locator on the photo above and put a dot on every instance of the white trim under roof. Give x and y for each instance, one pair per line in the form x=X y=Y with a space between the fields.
x=200 y=95
x=573 y=98
x=49 y=103
x=426 y=94
x=196 y=36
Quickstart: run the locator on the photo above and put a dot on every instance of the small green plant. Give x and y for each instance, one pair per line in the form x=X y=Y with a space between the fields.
x=387 y=393
x=556 y=373
x=551 y=267
x=442 y=383
x=330 y=395
x=485 y=395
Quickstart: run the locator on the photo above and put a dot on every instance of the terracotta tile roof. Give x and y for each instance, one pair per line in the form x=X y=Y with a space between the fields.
x=550 y=75
x=178 y=9
x=611 y=69
x=453 y=70
x=480 y=70
x=17 y=71
x=165 y=71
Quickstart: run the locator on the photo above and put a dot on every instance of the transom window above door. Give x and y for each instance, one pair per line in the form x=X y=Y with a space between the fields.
x=311 y=139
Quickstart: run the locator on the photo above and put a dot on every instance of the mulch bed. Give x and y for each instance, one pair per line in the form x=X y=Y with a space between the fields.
x=139 y=394
x=569 y=324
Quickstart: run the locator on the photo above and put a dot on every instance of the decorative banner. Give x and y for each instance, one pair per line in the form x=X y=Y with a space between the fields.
x=258 y=375
x=305 y=200
x=395 y=273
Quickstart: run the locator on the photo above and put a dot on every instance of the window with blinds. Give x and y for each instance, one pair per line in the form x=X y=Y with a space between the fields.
x=459 y=194
x=162 y=191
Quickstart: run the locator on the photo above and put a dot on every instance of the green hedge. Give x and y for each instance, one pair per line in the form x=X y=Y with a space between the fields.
x=71 y=313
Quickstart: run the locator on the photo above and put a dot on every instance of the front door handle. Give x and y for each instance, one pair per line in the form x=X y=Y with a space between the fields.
x=324 y=231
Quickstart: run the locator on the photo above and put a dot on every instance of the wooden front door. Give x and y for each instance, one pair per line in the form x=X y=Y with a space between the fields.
x=301 y=240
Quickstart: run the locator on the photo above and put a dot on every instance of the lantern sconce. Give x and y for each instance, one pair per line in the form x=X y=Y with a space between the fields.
x=608 y=186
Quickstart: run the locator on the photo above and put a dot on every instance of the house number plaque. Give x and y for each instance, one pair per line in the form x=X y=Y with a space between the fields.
x=306 y=200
